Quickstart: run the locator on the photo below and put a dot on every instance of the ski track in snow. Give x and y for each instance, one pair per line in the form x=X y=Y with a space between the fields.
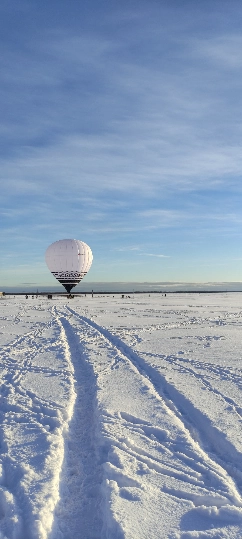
x=99 y=437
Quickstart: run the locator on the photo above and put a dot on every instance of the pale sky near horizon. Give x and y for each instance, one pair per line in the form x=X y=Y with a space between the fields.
x=121 y=126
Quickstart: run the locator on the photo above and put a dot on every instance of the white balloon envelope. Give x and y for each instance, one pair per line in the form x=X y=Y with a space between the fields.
x=69 y=261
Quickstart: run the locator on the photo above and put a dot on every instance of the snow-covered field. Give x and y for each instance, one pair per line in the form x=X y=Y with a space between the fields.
x=121 y=418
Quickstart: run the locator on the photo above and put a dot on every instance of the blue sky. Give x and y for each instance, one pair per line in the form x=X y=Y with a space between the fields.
x=121 y=126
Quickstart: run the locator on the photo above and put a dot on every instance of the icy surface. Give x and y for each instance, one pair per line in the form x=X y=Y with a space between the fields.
x=121 y=418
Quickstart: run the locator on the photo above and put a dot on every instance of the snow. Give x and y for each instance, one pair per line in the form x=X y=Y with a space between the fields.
x=121 y=417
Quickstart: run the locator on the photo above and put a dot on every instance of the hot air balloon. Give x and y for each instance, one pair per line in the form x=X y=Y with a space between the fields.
x=69 y=261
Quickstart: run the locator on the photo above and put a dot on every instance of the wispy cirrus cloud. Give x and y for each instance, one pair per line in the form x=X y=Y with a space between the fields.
x=171 y=127
x=222 y=51
x=154 y=254
x=122 y=130
x=125 y=249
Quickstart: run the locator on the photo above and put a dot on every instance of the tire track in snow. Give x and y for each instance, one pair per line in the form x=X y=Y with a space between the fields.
x=219 y=453
x=79 y=510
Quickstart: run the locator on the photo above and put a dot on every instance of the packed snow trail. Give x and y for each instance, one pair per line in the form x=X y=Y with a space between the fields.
x=78 y=513
x=121 y=419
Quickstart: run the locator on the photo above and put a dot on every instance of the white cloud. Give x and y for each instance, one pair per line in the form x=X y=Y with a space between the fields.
x=118 y=135
x=153 y=127
x=154 y=254
x=125 y=249
x=82 y=165
x=224 y=50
